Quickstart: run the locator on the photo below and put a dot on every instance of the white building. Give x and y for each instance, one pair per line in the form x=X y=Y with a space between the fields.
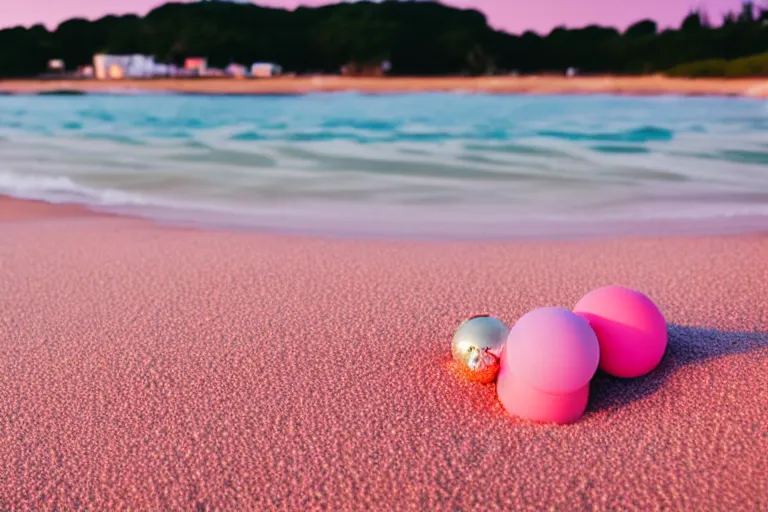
x=129 y=66
x=265 y=69
x=237 y=70
x=56 y=65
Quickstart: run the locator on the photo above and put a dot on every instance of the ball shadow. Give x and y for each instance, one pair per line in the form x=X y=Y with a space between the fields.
x=686 y=346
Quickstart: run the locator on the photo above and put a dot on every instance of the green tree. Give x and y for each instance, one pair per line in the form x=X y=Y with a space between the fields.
x=418 y=37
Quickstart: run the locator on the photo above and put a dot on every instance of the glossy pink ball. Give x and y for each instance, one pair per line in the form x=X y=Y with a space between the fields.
x=630 y=328
x=548 y=360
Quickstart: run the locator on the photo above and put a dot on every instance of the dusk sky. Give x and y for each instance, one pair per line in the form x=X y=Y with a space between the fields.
x=511 y=15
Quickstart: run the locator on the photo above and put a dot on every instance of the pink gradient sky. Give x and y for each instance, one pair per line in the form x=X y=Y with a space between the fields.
x=510 y=15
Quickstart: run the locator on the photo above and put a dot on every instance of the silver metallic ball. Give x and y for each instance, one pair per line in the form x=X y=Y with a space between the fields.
x=476 y=347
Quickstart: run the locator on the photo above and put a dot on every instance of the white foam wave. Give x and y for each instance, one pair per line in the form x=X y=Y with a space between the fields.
x=61 y=189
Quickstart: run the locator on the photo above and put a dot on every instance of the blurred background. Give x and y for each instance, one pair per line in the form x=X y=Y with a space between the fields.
x=722 y=38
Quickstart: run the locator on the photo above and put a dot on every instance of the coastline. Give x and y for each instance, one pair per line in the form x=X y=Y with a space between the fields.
x=157 y=367
x=636 y=85
x=395 y=228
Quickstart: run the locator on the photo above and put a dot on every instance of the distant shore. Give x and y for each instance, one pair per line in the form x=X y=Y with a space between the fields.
x=637 y=85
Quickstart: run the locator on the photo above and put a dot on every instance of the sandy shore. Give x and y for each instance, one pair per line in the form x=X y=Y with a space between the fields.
x=154 y=368
x=641 y=85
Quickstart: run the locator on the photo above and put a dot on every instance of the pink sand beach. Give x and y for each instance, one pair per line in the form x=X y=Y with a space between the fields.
x=146 y=367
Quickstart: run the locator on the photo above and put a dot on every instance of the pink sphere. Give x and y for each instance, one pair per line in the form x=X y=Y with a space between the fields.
x=548 y=360
x=630 y=328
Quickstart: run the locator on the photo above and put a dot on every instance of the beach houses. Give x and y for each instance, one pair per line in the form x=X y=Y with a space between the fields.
x=265 y=69
x=115 y=67
x=237 y=70
x=195 y=66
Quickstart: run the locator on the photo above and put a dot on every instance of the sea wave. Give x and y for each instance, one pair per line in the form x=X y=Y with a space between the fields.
x=61 y=189
x=425 y=163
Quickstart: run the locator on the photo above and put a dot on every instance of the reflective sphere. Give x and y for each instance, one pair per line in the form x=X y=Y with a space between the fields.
x=477 y=345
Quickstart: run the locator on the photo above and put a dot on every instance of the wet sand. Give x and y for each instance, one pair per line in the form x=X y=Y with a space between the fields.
x=154 y=368
x=640 y=85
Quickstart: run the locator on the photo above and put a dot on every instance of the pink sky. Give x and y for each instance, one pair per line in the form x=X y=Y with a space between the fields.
x=510 y=15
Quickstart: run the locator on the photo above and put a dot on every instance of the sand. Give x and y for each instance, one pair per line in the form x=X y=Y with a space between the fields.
x=157 y=368
x=640 y=85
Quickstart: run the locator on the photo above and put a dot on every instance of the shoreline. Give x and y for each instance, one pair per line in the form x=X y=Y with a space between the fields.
x=153 y=367
x=546 y=85
x=19 y=208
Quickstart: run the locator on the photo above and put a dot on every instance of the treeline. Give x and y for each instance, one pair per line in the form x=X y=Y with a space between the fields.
x=416 y=37
x=755 y=65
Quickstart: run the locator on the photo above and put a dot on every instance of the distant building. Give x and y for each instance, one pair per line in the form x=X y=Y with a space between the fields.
x=56 y=65
x=265 y=69
x=165 y=70
x=129 y=66
x=215 y=72
x=237 y=70
x=85 y=72
x=115 y=72
x=196 y=65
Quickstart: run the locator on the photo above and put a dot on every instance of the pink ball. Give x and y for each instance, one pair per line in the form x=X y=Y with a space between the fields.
x=630 y=328
x=548 y=360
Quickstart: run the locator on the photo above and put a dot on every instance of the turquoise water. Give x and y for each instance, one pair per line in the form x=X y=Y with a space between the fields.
x=423 y=164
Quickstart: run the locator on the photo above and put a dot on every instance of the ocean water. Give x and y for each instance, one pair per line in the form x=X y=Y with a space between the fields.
x=439 y=165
